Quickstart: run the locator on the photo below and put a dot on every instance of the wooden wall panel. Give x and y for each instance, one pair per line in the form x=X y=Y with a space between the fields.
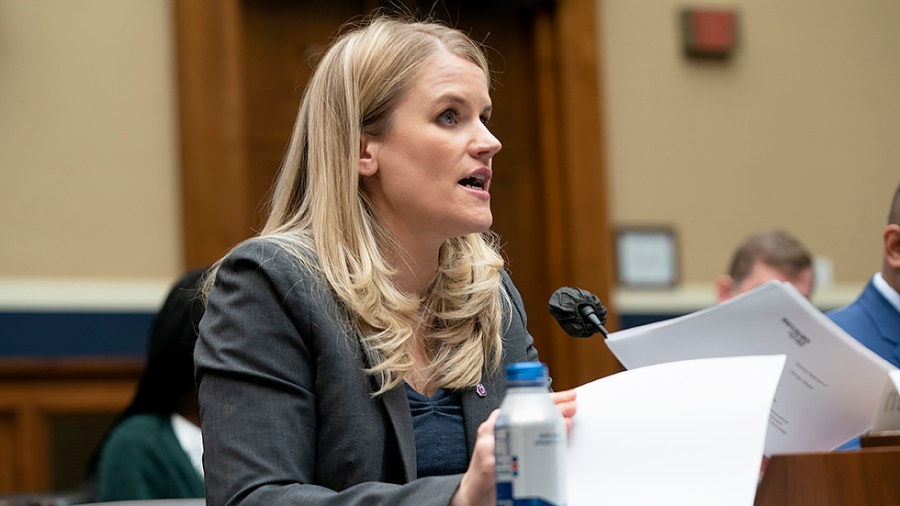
x=283 y=39
x=34 y=392
x=582 y=252
x=217 y=210
x=8 y=451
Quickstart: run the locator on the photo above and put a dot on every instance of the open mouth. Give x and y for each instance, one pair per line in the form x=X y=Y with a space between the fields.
x=473 y=182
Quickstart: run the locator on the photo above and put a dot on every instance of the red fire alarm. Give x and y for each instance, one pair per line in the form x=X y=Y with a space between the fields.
x=709 y=33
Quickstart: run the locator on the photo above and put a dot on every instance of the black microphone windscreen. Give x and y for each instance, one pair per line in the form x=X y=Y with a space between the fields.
x=567 y=305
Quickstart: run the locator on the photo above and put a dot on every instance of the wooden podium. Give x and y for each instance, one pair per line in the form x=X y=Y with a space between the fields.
x=869 y=476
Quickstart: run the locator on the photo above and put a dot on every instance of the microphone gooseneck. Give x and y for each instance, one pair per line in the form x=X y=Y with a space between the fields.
x=579 y=312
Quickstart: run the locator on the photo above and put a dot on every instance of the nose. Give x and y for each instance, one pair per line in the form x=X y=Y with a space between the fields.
x=486 y=144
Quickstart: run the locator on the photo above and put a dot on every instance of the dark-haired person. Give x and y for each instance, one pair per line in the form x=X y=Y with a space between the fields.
x=874 y=317
x=154 y=448
x=353 y=353
x=768 y=255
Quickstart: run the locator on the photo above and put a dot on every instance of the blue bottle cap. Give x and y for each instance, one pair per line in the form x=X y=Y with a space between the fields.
x=527 y=372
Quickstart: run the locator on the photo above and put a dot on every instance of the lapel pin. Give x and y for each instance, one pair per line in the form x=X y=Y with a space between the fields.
x=480 y=390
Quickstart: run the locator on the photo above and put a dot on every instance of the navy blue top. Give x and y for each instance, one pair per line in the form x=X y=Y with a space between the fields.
x=439 y=431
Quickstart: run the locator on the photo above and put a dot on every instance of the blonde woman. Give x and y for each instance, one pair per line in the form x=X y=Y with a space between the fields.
x=353 y=353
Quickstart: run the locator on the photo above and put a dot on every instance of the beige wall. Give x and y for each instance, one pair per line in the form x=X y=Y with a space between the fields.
x=801 y=130
x=88 y=140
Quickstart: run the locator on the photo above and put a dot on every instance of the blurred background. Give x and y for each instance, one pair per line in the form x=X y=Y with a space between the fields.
x=138 y=140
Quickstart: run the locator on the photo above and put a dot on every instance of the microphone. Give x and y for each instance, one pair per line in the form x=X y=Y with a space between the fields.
x=579 y=312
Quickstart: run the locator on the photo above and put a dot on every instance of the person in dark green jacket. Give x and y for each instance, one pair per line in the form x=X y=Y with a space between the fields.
x=153 y=450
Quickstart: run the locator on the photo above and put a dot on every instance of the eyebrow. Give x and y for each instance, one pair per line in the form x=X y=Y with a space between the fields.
x=456 y=99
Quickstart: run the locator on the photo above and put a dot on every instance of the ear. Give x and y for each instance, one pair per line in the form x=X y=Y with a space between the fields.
x=892 y=246
x=368 y=155
x=724 y=284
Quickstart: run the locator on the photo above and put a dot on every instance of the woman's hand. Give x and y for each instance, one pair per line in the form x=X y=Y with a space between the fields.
x=478 y=485
x=565 y=401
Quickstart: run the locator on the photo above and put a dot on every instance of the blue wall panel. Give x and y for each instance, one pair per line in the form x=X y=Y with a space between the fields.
x=56 y=334
x=114 y=334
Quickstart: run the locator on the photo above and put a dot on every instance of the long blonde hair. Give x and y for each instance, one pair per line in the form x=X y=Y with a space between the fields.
x=319 y=210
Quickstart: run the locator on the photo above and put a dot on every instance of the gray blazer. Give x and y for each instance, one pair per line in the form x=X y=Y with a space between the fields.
x=287 y=412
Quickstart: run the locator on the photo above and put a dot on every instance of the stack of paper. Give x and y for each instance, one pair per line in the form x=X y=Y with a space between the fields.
x=888 y=416
x=831 y=386
x=685 y=433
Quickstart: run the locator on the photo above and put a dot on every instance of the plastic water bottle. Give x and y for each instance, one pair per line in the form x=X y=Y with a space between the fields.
x=530 y=441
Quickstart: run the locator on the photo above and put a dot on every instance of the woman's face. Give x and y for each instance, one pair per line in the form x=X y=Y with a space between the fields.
x=429 y=174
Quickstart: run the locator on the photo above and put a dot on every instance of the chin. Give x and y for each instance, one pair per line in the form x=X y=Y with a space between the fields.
x=470 y=223
x=483 y=226
x=474 y=228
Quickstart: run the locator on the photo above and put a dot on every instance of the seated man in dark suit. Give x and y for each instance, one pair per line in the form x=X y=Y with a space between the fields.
x=874 y=318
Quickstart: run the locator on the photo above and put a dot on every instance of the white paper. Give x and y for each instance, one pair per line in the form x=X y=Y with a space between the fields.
x=682 y=433
x=831 y=385
x=888 y=415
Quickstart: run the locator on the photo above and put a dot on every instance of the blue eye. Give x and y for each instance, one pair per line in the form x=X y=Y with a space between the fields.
x=447 y=117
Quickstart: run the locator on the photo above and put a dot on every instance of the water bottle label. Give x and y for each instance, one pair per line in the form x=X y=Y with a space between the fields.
x=530 y=466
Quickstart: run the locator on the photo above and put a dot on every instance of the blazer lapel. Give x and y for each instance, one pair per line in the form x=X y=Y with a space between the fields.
x=479 y=402
x=888 y=323
x=885 y=317
x=397 y=405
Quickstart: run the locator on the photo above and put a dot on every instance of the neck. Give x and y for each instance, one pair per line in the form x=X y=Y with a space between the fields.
x=416 y=263
x=414 y=276
x=891 y=277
